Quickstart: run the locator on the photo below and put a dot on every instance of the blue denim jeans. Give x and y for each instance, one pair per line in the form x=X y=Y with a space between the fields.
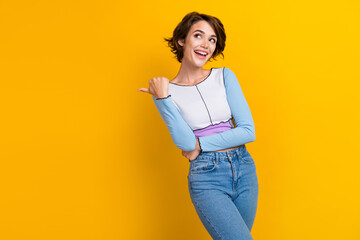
x=224 y=190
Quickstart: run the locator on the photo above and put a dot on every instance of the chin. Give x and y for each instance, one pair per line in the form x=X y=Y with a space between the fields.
x=197 y=62
x=200 y=63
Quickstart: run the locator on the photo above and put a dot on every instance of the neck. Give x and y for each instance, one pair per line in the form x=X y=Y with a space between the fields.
x=190 y=74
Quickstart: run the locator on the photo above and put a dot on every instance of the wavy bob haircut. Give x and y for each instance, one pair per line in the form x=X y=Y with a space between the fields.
x=182 y=29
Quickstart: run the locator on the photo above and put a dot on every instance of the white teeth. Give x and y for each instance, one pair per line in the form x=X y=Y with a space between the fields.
x=202 y=53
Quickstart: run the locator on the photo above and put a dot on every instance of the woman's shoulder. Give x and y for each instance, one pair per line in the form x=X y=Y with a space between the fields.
x=226 y=71
x=229 y=77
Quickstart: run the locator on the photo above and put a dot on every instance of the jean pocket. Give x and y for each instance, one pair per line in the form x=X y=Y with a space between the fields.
x=246 y=158
x=201 y=166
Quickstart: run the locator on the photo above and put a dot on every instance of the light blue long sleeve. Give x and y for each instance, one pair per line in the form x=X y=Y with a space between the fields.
x=181 y=133
x=185 y=139
x=244 y=132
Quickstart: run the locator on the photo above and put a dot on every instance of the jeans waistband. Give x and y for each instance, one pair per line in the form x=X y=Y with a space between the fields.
x=221 y=155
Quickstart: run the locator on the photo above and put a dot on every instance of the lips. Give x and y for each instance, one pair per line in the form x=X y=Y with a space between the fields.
x=200 y=53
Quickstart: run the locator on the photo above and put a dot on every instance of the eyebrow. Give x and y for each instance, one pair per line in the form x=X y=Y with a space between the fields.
x=203 y=32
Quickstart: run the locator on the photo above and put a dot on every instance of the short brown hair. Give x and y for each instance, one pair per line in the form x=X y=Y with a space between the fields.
x=182 y=29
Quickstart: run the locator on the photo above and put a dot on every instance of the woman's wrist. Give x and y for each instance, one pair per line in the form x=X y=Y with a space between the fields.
x=160 y=97
x=198 y=146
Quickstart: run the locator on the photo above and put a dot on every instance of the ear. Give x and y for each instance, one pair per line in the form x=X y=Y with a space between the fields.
x=181 y=42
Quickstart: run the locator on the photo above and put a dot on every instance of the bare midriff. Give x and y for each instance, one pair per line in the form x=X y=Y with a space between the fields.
x=227 y=149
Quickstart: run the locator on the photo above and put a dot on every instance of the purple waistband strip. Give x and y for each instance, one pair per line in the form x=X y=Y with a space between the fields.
x=213 y=129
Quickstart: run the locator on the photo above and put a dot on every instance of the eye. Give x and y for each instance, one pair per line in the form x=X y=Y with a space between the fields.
x=196 y=35
x=213 y=40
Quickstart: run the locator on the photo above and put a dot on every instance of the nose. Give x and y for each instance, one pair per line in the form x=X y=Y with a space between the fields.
x=205 y=44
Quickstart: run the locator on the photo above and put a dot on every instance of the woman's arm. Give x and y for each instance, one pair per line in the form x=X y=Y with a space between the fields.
x=183 y=136
x=181 y=133
x=244 y=132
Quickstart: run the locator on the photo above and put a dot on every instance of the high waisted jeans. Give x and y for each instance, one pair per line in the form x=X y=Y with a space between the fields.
x=224 y=189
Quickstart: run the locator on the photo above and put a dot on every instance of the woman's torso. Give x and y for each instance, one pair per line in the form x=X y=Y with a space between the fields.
x=204 y=105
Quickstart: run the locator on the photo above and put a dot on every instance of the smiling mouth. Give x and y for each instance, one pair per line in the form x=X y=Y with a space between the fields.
x=201 y=54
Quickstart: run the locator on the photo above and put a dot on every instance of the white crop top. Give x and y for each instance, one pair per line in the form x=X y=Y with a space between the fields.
x=205 y=111
x=203 y=104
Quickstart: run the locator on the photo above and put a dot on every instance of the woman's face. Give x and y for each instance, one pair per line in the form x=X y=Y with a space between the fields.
x=200 y=44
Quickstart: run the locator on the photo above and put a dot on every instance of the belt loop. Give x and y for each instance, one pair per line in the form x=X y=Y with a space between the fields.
x=216 y=157
x=238 y=151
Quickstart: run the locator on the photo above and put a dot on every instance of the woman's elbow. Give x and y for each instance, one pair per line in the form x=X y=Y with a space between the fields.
x=252 y=134
x=187 y=145
x=252 y=137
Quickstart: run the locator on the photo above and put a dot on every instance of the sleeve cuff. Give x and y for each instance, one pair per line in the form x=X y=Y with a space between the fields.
x=163 y=97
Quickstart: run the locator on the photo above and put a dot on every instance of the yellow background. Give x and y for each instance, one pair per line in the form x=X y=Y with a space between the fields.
x=86 y=156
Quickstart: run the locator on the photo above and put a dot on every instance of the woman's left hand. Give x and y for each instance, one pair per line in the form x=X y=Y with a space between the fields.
x=191 y=155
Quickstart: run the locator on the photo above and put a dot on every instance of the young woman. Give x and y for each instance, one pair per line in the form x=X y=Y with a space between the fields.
x=199 y=107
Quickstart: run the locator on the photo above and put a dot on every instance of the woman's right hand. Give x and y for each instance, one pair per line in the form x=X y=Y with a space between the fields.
x=158 y=87
x=192 y=155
